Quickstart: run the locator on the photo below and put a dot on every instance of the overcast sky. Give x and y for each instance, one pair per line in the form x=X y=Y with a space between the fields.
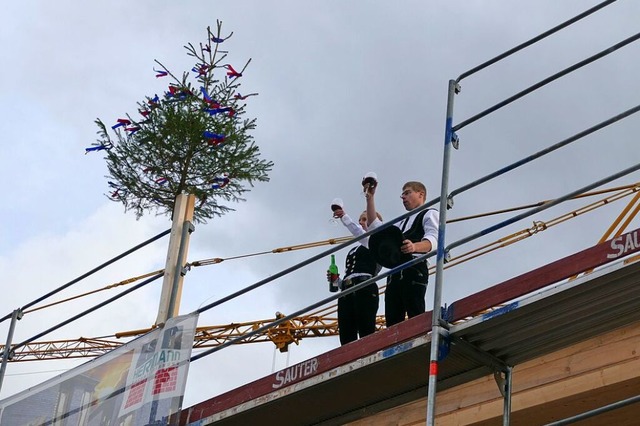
x=345 y=88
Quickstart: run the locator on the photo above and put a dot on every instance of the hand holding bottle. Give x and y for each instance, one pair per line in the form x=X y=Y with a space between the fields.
x=333 y=276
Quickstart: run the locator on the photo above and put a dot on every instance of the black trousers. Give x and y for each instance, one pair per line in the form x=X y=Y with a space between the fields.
x=357 y=312
x=405 y=294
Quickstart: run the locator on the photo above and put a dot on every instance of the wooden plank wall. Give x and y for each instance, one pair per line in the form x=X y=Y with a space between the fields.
x=576 y=379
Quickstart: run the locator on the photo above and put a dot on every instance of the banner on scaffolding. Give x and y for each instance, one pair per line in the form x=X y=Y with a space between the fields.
x=142 y=382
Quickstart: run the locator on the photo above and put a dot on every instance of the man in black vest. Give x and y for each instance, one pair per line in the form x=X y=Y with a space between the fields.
x=406 y=289
x=357 y=311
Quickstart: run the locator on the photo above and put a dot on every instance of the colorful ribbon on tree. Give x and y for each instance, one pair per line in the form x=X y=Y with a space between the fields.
x=116 y=194
x=160 y=73
x=220 y=182
x=213 y=139
x=121 y=122
x=231 y=72
x=242 y=98
x=208 y=99
x=177 y=92
x=98 y=147
x=220 y=40
x=200 y=69
x=214 y=111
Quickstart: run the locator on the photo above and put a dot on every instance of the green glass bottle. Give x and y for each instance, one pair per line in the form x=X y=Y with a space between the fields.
x=334 y=275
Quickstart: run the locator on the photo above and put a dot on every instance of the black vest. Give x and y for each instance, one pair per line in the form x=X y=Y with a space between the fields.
x=360 y=260
x=416 y=232
x=415 y=235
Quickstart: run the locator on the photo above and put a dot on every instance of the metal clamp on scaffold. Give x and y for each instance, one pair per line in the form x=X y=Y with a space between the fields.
x=455 y=140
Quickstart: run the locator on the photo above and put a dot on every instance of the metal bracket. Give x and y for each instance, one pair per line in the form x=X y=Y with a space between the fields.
x=495 y=363
x=190 y=228
x=444 y=324
x=444 y=346
x=501 y=380
x=457 y=88
x=449 y=203
x=447 y=313
x=455 y=140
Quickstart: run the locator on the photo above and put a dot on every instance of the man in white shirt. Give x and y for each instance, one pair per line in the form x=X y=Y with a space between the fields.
x=406 y=289
x=357 y=311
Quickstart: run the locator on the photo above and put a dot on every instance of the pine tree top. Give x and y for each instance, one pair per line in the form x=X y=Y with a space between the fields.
x=194 y=138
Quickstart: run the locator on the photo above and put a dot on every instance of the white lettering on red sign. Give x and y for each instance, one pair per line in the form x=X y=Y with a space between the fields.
x=624 y=244
x=298 y=371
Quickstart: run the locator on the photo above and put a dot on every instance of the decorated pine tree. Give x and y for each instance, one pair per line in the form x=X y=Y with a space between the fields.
x=194 y=138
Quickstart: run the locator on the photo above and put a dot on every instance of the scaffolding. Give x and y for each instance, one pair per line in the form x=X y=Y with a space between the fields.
x=440 y=327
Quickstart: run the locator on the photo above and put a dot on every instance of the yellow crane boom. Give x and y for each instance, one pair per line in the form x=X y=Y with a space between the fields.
x=208 y=336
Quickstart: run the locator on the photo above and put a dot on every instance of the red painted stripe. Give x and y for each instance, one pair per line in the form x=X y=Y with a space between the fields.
x=536 y=279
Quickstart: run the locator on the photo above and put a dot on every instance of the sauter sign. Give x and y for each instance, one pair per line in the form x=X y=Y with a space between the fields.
x=625 y=244
x=298 y=371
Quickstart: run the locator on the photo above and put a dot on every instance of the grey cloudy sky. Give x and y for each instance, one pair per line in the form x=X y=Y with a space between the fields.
x=345 y=88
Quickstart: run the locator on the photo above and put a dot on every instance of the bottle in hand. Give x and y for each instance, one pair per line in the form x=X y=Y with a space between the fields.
x=333 y=275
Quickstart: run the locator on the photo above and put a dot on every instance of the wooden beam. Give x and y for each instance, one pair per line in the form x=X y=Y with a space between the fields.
x=584 y=376
x=183 y=211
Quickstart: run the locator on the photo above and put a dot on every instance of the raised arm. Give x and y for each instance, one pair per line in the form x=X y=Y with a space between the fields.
x=371 y=204
x=353 y=227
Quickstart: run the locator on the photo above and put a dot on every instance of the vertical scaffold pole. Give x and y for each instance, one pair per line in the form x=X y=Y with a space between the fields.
x=6 y=353
x=506 y=411
x=437 y=296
